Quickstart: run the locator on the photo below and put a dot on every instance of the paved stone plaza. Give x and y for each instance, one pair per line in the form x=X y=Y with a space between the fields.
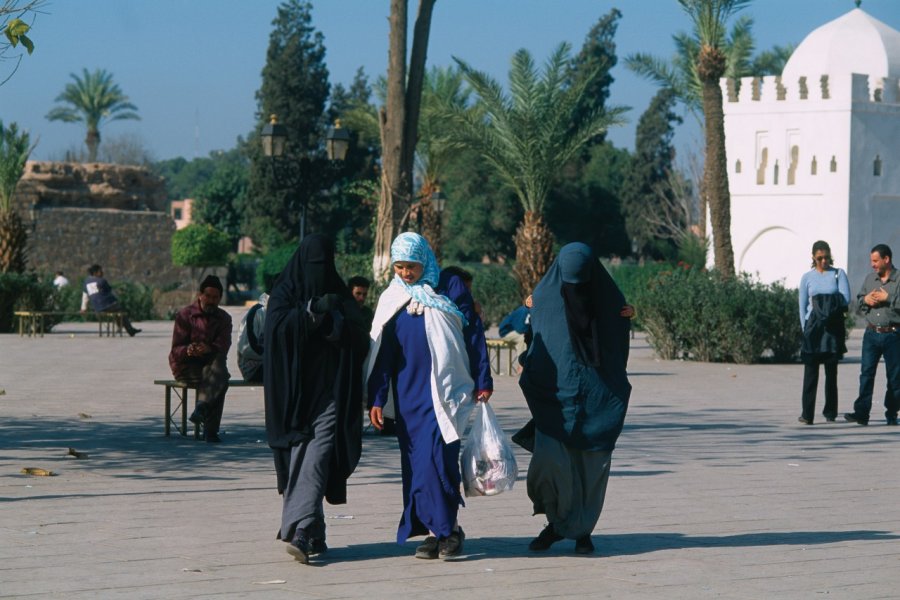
x=716 y=492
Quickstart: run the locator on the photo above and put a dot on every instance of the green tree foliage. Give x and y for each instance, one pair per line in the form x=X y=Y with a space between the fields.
x=593 y=65
x=219 y=200
x=218 y=184
x=770 y=62
x=183 y=177
x=200 y=246
x=644 y=191
x=15 y=146
x=525 y=136
x=680 y=73
x=585 y=206
x=93 y=99
x=482 y=212
x=295 y=88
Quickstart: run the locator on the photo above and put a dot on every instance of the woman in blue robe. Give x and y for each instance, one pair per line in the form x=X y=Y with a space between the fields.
x=575 y=382
x=419 y=356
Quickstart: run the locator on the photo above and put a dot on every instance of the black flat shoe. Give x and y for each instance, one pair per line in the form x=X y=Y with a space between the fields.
x=428 y=549
x=805 y=421
x=545 y=539
x=299 y=548
x=452 y=545
x=855 y=418
x=317 y=546
x=584 y=545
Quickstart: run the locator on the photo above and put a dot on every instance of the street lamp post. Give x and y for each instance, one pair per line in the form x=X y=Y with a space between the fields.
x=294 y=174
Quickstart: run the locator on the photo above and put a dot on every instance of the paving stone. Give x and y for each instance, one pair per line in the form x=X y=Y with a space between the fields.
x=716 y=492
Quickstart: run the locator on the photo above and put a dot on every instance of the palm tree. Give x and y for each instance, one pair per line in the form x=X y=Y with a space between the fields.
x=15 y=147
x=95 y=100
x=527 y=137
x=701 y=60
x=681 y=74
x=709 y=18
x=443 y=88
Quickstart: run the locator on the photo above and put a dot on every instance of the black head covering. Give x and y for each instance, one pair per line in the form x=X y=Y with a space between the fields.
x=574 y=376
x=311 y=272
x=211 y=281
x=308 y=365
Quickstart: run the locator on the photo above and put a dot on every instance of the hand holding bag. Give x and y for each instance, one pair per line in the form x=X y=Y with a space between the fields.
x=488 y=463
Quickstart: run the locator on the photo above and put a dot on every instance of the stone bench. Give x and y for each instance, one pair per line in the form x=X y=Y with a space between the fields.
x=180 y=389
x=495 y=347
x=33 y=322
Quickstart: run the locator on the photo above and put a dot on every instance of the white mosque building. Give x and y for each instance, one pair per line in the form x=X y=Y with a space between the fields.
x=815 y=154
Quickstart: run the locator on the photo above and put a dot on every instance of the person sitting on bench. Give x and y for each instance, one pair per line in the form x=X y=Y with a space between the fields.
x=98 y=291
x=200 y=344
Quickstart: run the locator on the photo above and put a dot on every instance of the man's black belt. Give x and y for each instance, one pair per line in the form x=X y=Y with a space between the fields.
x=888 y=329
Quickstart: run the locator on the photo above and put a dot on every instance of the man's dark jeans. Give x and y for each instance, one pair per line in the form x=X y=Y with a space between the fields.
x=875 y=345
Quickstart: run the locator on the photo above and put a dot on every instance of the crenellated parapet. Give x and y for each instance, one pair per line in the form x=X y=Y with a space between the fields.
x=772 y=90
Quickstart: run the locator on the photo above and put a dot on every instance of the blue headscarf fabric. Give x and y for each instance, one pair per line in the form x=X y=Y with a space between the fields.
x=412 y=247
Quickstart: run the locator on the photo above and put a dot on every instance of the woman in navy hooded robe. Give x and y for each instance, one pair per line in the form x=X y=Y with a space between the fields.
x=574 y=380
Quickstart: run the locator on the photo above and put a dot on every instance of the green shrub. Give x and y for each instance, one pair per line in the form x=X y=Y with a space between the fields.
x=200 y=246
x=271 y=265
x=695 y=314
x=633 y=280
x=349 y=265
x=23 y=291
x=495 y=288
x=136 y=299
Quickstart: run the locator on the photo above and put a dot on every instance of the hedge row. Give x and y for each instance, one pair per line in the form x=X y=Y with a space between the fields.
x=690 y=313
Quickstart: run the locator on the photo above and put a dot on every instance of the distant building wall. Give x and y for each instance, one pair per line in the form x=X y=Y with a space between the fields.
x=182 y=212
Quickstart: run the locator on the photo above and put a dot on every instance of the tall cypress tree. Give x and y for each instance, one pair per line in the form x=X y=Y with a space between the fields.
x=595 y=62
x=650 y=166
x=295 y=88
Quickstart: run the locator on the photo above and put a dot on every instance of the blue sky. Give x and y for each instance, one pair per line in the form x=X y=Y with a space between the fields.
x=192 y=66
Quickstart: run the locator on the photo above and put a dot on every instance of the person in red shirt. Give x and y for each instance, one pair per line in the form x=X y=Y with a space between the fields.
x=200 y=344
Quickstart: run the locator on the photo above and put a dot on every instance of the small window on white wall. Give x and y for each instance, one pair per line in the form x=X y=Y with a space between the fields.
x=775 y=174
x=792 y=168
x=762 y=156
x=876 y=168
x=737 y=166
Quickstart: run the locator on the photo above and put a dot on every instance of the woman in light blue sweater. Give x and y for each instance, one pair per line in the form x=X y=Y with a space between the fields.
x=824 y=297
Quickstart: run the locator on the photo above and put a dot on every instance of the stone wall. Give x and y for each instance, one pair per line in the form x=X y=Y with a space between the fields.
x=130 y=245
x=112 y=215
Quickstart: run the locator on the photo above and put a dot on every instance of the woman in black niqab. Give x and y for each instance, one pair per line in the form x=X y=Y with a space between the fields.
x=577 y=389
x=316 y=340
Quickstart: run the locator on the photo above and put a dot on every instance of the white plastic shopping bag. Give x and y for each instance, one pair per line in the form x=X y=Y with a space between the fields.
x=488 y=463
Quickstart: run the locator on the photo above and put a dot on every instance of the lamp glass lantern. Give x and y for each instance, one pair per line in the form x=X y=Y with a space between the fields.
x=337 y=142
x=274 y=137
